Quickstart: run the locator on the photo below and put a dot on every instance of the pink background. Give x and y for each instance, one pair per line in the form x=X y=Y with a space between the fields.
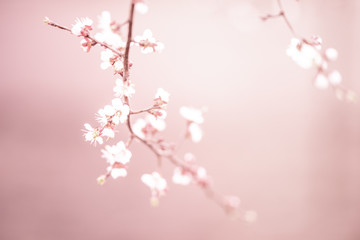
x=290 y=151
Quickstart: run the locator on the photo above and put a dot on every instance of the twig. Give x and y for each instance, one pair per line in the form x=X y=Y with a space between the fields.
x=281 y=14
x=94 y=41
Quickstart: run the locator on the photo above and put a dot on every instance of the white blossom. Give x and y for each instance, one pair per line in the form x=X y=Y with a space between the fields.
x=157 y=185
x=306 y=56
x=141 y=6
x=195 y=132
x=161 y=98
x=148 y=43
x=121 y=111
x=107 y=57
x=192 y=114
x=321 y=81
x=93 y=135
x=82 y=26
x=335 y=77
x=331 y=54
x=181 y=177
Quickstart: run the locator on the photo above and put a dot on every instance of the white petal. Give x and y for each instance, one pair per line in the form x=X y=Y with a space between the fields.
x=121 y=145
x=147 y=33
x=88 y=127
x=141 y=8
x=123 y=118
x=125 y=110
x=89 y=136
x=99 y=140
x=109 y=110
x=117 y=103
x=192 y=114
x=116 y=120
x=148 y=180
x=105 y=65
x=99 y=37
x=108 y=132
x=118 y=172
x=164 y=95
x=195 y=132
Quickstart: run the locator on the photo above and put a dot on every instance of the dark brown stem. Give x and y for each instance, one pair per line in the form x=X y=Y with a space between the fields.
x=127 y=49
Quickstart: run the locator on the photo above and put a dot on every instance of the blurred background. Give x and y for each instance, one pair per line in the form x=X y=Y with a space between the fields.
x=290 y=151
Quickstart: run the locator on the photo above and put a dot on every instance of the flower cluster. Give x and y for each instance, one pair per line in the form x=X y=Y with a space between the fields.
x=147 y=129
x=309 y=53
x=117 y=156
x=157 y=185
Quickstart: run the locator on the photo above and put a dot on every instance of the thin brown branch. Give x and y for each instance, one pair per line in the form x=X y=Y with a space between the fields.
x=94 y=41
x=145 y=110
x=127 y=48
x=280 y=14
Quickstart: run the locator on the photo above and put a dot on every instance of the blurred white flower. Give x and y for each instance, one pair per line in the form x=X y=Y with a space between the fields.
x=141 y=6
x=305 y=55
x=195 y=132
x=181 y=177
x=82 y=26
x=321 y=81
x=157 y=185
x=107 y=57
x=335 y=77
x=161 y=98
x=331 y=54
x=192 y=114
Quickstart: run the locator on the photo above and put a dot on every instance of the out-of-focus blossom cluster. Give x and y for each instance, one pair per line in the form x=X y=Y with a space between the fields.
x=157 y=185
x=310 y=54
x=190 y=173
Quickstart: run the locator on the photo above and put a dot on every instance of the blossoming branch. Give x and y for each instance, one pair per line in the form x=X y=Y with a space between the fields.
x=308 y=53
x=115 y=55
